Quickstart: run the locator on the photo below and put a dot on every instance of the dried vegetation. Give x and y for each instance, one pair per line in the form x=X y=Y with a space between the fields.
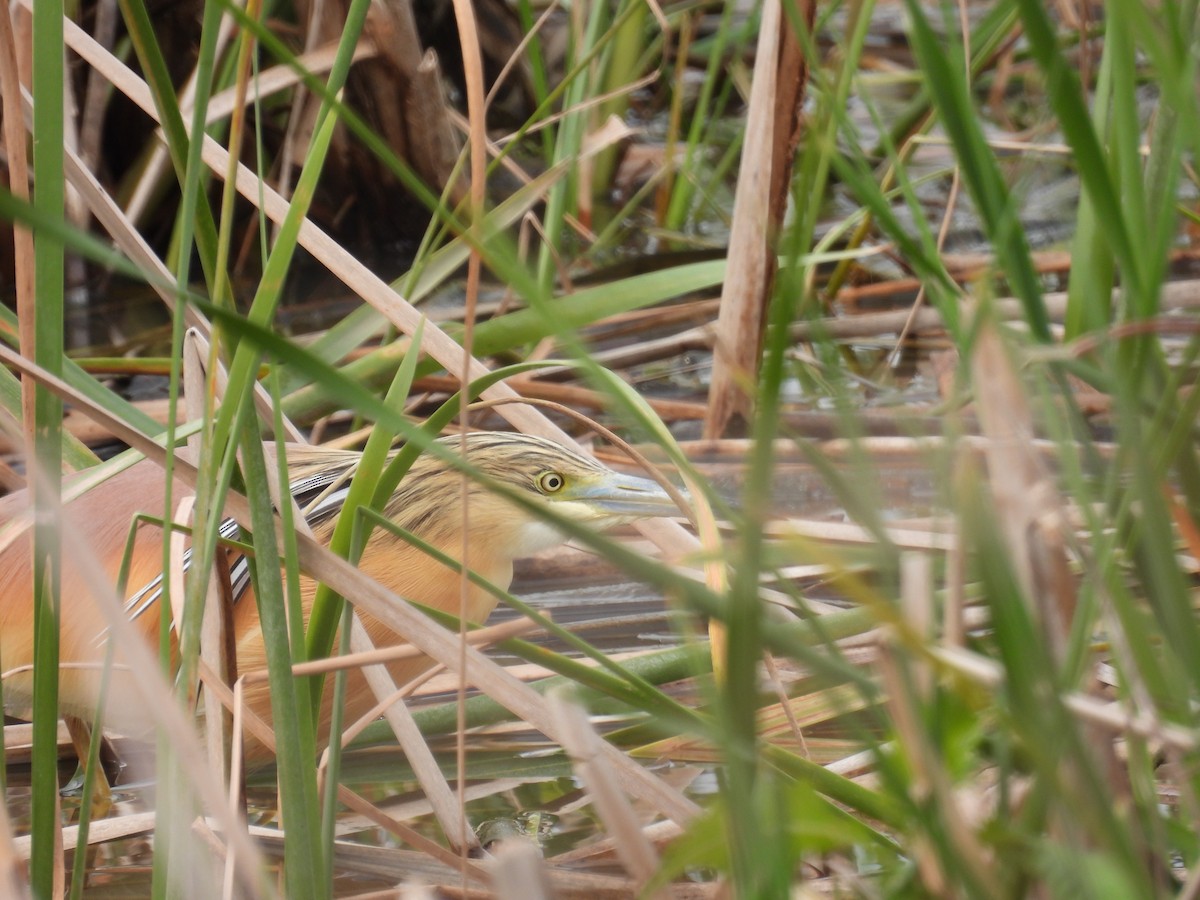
x=902 y=296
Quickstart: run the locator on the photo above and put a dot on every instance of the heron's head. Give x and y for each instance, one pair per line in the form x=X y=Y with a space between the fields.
x=547 y=473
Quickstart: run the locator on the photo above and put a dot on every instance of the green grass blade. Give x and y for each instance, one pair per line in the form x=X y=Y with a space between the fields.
x=49 y=198
x=942 y=68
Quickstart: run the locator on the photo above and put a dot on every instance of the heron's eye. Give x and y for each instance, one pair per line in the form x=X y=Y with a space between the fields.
x=550 y=482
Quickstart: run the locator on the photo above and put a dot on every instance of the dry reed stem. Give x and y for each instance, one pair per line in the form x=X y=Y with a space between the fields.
x=472 y=63
x=615 y=811
x=700 y=337
x=929 y=781
x=658 y=833
x=917 y=608
x=18 y=165
x=846 y=533
x=1184 y=294
x=26 y=295
x=479 y=637
x=447 y=807
x=159 y=163
x=211 y=839
x=95 y=105
x=1176 y=295
x=781 y=724
x=530 y=672
x=954 y=629
x=422 y=124
x=409 y=689
x=410 y=836
x=45 y=494
x=778 y=598
x=111 y=829
x=245 y=720
x=18 y=737
x=519 y=872
x=897 y=445
x=776 y=684
x=750 y=263
x=279 y=78
x=212 y=644
x=194 y=365
x=418 y=871
x=13 y=877
x=414 y=807
x=791 y=88
x=858 y=764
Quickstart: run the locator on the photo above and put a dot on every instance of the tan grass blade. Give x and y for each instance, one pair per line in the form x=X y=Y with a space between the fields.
x=595 y=852
x=412 y=806
x=778 y=724
x=620 y=821
x=13 y=882
x=113 y=829
x=425 y=767
x=15 y=142
x=917 y=608
x=519 y=872
x=1031 y=514
x=846 y=533
x=215 y=641
x=18 y=739
x=930 y=782
x=278 y=78
x=409 y=835
x=954 y=628
x=423 y=876
x=716 y=572
x=479 y=637
x=158 y=165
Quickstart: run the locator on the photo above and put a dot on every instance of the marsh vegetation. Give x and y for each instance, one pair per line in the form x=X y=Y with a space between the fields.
x=902 y=294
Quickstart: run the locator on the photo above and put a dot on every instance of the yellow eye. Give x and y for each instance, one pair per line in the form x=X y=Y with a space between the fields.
x=550 y=482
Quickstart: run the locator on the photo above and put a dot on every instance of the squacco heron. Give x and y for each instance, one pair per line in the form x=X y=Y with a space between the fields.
x=427 y=503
